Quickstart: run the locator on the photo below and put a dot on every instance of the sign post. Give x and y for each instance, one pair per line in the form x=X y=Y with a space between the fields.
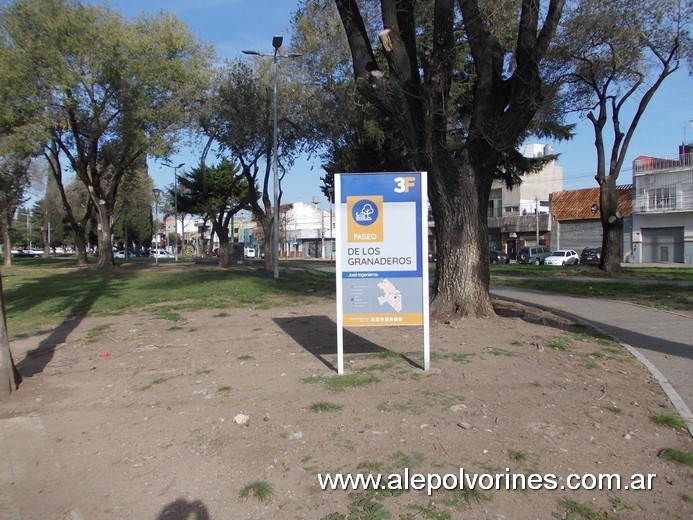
x=382 y=253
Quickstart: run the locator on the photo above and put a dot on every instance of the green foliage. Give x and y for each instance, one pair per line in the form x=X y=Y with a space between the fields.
x=96 y=89
x=676 y=455
x=573 y=510
x=259 y=490
x=324 y=406
x=342 y=382
x=669 y=420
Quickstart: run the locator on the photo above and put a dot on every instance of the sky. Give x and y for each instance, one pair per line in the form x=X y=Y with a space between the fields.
x=234 y=25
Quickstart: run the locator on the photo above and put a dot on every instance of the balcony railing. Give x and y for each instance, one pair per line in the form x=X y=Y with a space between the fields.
x=647 y=204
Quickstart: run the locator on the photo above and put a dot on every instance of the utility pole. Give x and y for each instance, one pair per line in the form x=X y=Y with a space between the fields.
x=536 y=215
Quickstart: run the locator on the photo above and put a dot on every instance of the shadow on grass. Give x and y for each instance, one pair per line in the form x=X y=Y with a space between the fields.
x=318 y=336
x=71 y=294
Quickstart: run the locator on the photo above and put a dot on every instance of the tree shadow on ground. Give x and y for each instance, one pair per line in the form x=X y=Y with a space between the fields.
x=318 y=336
x=181 y=509
x=82 y=295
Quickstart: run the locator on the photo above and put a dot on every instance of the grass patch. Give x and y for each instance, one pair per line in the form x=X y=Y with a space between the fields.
x=203 y=372
x=167 y=315
x=401 y=460
x=157 y=381
x=573 y=510
x=96 y=333
x=518 y=456
x=223 y=389
x=559 y=343
x=657 y=295
x=616 y=410
x=325 y=406
x=221 y=315
x=499 y=352
x=669 y=420
x=341 y=383
x=516 y=342
x=676 y=455
x=687 y=498
x=258 y=490
x=245 y=357
x=41 y=294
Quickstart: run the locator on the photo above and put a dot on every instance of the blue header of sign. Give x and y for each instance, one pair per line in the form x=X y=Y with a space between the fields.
x=365 y=195
x=394 y=187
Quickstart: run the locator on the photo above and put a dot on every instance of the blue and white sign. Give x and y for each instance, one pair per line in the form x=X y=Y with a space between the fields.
x=382 y=251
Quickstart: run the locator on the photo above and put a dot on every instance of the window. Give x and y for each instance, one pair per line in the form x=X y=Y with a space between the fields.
x=662 y=198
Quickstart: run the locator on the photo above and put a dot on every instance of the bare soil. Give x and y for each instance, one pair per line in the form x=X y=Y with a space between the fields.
x=131 y=417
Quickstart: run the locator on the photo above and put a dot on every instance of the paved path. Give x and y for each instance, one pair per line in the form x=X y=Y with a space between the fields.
x=662 y=340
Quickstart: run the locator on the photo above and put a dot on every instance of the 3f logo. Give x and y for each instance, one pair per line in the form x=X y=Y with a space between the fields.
x=404 y=183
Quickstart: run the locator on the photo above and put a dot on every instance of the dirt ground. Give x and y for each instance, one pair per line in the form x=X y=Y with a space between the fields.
x=131 y=417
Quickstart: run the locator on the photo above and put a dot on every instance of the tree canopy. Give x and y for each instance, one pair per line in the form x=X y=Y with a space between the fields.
x=105 y=91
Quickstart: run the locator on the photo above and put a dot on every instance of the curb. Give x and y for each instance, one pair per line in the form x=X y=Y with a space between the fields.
x=663 y=382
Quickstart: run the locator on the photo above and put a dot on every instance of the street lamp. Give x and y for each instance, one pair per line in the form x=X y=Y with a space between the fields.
x=157 y=195
x=276 y=43
x=175 y=204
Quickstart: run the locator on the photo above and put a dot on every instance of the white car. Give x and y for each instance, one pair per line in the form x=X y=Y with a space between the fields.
x=562 y=257
x=160 y=254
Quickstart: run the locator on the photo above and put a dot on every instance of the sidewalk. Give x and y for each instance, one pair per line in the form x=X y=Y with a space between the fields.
x=660 y=339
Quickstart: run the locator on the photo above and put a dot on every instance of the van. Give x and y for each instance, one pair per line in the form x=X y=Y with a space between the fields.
x=249 y=252
x=532 y=254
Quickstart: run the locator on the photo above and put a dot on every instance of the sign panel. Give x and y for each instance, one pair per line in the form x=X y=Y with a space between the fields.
x=382 y=249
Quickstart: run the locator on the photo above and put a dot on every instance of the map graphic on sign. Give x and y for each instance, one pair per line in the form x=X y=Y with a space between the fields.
x=391 y=295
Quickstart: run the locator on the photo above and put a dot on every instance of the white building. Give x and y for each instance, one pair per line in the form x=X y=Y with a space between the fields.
x=663 y=208
x=306 y=231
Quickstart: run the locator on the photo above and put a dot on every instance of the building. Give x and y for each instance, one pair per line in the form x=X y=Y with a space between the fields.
x=520 y=216
x=576 y=219
x=663 y=208
x=306 y=231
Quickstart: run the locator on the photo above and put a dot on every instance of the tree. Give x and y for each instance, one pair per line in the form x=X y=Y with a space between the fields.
x=616 y=66
x=134 y=209
x=109 y=91
x=9 y=375
x=238 y=118
x=14 y=179
x=354 y=137
x=218 y=192
x=464 y=96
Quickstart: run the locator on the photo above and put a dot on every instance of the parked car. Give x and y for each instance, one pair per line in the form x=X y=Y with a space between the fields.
x=532 y=254
x=498 y=257
x=160 y=254
x=26 y=252
x=562 y=257
x=119 y=254
x=591 y=255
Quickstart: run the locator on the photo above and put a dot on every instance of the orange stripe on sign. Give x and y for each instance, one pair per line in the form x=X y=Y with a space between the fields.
x=377 y=320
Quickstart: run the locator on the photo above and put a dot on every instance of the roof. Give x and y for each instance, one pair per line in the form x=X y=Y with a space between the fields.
x=578 y=204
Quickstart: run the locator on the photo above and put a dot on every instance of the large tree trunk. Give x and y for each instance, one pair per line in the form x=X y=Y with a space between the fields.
x=268 y=231
x=81 y=248
x=105 y=244
x=9 y=375
x=7 y=245
x=462 y=274
x=612 y=226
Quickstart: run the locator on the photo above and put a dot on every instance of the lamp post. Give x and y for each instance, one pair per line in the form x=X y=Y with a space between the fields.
x=125 y=229
x=175 y=206
x=276 y=43
x=157 y=195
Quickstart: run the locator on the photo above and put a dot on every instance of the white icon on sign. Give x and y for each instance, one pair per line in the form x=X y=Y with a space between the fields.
x=365 y=214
